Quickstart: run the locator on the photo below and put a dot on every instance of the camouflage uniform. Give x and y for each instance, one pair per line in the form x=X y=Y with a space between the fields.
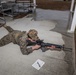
x=17 y=37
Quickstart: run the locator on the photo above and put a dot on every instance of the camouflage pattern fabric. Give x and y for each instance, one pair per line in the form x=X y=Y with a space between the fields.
x=6 y=40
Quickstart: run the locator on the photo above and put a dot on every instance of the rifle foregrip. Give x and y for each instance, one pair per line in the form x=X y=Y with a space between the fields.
x=49 y=44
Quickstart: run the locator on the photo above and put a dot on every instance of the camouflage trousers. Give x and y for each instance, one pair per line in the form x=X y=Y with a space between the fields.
x=7 y=38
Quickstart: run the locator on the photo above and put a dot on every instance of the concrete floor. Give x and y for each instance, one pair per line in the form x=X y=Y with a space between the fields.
x=61 y=18
x=12 y=62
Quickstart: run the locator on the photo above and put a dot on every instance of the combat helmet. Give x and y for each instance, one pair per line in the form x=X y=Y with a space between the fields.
x=33 y=34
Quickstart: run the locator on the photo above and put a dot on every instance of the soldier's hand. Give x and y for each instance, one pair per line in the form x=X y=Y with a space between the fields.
x=36 y=47
x=51 y=47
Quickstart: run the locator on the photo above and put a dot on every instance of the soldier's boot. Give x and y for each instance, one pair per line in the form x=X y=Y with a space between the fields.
x=8 y=28
x=1 y=25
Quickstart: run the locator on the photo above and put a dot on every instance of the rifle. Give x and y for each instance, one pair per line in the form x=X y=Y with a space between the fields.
x=44 y=45
x=40 y=42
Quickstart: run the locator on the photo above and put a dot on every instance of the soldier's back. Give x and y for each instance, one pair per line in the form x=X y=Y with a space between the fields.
x=19 y=34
